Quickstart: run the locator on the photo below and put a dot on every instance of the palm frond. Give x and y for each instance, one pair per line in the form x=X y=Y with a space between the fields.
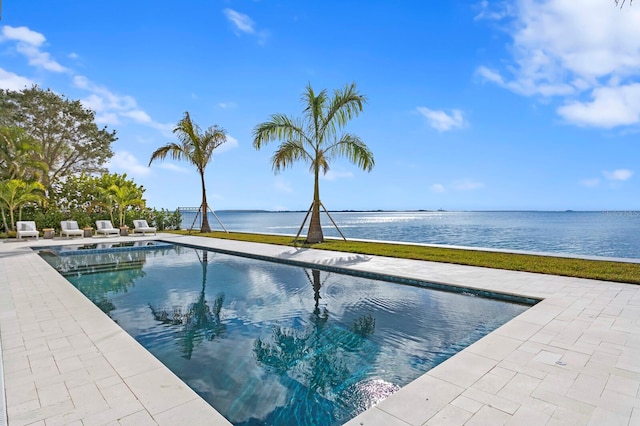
x=288 y=153
x=355 y=150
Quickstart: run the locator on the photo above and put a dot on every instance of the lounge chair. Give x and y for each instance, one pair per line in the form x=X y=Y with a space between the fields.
x=105 y=227
x=143 y=226
x=26 y=228
x=69 y=228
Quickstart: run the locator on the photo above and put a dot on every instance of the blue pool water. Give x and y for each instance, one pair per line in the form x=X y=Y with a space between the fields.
x=267 y=343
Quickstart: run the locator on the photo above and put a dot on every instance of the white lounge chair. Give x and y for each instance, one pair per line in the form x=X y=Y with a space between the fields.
x=106 y=228
x=26 y=228
x=143 y=226
x=70 y=228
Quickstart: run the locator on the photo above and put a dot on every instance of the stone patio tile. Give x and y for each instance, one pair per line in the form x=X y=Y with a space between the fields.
x=562 y=401
x=41 y=413
x=492 y=400
x=52 y=394
x=587 y=388
x=114 y=414
x=490 y=383
x=375 y=417
x=624 y=385
x=22 y=393
x=489 y=416
x=89 y=397
x=449 y=416
x=528 y=416
x=464 y=369
x=602 y=416
x=423 y=398
x=194 y=412
x=117 y=394
x=467 y=404
x=519 y=388
x=66 y=365
x=159 y=390
x=139 y=418
x=495 y=346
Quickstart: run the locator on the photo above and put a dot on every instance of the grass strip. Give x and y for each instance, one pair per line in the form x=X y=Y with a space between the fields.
x=569 y=267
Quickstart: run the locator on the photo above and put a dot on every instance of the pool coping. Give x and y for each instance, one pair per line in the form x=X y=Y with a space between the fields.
x=569 y=359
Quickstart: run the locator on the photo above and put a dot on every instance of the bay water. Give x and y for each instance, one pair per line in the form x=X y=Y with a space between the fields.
x=599 y=233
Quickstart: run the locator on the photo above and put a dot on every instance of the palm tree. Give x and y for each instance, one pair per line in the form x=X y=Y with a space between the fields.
x=124 y=196
x=317 y=140
x=197 y=148
x=15 y=193
x=18 y=155
x=622 y=2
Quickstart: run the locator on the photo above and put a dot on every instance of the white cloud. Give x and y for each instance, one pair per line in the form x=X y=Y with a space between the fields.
x=110 y=107
x=493 y=11
x=230 y=144
x=11 y=81
x=126 y=162
x=619 y=174
x=590 y=182
x=28 y=44
x=241 y=21
x=23 y=34
x=441 y=121
x=573 y=50
x=437 y=188
x=609 y=107
x=244 y=24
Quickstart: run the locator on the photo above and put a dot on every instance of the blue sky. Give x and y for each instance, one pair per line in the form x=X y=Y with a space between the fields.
x=472 y=105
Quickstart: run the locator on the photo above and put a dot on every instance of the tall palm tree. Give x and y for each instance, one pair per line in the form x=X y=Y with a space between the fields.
x=317 y=139
x=197 y=148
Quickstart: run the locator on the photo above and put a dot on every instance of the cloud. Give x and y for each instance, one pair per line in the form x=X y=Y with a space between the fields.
x=609 y=107
x=241 y=21
x=437 y=188
x=230 y=144
x=110 y=107
x=441 y=121
x=618 y=175
x=11 y=81
x=28 y=44
x=493 y=11
x=127 y=163
x=172 y=167
x=584 y=52
x=244 y=24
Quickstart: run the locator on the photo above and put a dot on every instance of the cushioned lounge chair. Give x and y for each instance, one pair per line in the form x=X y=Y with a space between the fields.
x=143 y=227
x=70 y=228
x=106 y=228
x=26 y=228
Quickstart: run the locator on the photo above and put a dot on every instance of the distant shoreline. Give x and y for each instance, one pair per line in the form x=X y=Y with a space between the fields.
x=430 y=211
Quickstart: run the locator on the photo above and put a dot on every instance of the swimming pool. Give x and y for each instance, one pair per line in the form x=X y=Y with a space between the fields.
x=270 y=343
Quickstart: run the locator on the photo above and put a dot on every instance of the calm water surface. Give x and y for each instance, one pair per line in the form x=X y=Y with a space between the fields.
x=274 y=344
x=611 y=234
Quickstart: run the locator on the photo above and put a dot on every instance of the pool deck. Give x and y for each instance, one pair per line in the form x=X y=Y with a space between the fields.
x=574 y=358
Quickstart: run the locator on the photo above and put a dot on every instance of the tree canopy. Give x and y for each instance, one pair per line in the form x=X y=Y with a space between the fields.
x=68 y=139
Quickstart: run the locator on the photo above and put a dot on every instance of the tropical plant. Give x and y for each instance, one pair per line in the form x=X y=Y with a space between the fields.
x=18 y=152
x=70 y=142
x=317 y=140
x=197 y=148
x=622 y=2
x=15 y=193
x=123 y=197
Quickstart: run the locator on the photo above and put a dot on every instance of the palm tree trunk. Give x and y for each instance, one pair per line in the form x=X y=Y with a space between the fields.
x=315 y=229
x=205 y=211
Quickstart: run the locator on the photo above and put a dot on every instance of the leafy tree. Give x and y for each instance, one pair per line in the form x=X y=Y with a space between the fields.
x=197 y=148
x=18 y=153
x=125 y=196
x=622 y=2
x=317 y=140
x=15 y=193
x=70 y=141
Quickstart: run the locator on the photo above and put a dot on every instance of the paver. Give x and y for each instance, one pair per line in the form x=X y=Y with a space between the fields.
x=570 y=359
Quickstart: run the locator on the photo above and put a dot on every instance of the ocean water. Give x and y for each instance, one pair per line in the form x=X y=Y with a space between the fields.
x=605 y=233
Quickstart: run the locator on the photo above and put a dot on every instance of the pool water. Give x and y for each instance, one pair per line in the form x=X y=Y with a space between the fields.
x=267 y=343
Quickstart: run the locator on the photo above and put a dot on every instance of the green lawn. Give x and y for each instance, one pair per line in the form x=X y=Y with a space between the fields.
x=594 y=269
